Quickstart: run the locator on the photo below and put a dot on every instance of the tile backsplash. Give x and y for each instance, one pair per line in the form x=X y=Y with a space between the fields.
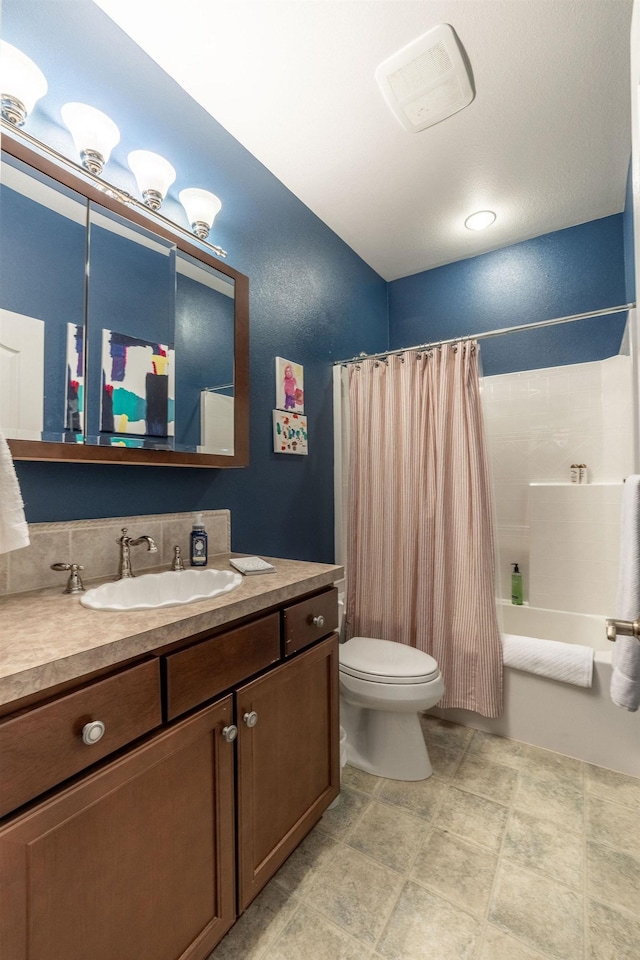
x=92 y=543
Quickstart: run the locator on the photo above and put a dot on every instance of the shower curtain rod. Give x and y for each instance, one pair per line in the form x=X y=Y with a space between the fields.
x=489 y=333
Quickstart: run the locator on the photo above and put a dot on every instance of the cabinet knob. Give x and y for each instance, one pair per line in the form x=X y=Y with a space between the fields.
x=92 y=732
x=318 y=621
x=230 y=733
x=251 y=718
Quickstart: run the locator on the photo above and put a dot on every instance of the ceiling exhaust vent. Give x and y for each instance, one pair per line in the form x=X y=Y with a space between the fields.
x=428 y=80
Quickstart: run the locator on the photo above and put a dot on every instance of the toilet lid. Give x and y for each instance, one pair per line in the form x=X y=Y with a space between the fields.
x=385 y=661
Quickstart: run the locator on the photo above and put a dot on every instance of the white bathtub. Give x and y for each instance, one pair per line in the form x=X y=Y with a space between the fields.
x=572 y=720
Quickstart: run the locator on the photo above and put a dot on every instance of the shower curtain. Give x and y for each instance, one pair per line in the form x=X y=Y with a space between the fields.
x=420 y=554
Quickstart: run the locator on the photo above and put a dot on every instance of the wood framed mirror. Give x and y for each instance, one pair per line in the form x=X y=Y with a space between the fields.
x=120 y=340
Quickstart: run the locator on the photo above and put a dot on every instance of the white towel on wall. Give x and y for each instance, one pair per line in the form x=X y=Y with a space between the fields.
x=568 y=662
x=625 y=677
x=14 y=532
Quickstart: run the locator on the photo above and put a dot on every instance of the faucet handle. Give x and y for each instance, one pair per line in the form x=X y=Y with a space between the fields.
x=177 y=563
x=124 y=534
x=74 y=583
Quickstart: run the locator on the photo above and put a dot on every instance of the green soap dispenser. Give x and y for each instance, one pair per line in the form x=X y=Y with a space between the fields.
x=516 y=586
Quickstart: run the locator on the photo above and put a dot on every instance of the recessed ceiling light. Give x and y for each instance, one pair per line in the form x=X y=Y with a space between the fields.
x=480 y=220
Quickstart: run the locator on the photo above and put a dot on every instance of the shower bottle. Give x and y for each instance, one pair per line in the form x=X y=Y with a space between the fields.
x=516 y=585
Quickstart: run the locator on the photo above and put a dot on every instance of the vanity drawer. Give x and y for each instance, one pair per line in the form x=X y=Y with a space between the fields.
x=309 y=620
x=44 y=746
x=203 y=671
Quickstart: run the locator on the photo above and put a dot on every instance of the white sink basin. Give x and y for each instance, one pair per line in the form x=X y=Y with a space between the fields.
x=154 y=590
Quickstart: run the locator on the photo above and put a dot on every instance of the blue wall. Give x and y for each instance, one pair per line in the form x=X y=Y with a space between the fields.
x=312 y=299
x=570 y=271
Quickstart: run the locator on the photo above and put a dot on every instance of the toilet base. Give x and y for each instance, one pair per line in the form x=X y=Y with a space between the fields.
x=384 y=743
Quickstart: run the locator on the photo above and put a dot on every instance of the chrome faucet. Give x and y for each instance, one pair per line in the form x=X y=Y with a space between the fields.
x=126 y=543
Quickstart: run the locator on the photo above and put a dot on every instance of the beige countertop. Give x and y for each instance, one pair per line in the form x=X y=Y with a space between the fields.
x=47 y=638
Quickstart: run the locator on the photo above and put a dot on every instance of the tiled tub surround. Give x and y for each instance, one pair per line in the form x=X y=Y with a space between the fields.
x=508 y=852
x=92 y=543
x=538 y=423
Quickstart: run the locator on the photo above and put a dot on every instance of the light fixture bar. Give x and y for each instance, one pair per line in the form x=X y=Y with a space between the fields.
x=121 y=195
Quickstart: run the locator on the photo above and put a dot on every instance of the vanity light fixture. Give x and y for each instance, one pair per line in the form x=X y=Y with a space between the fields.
x=94 y=134
x=480 y=220
x=22 y=83
x=154 y=175
x=201 y=208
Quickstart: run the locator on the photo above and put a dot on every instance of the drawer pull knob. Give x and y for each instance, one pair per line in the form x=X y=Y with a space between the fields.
x=92 y=732
x=318 y=621
x=230 y=733
x=251 y=718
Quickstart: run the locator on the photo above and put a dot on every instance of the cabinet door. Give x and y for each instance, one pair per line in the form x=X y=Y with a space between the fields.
x=133 y=862
x=288 y=762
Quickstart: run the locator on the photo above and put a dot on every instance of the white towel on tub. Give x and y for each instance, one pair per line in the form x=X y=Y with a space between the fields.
x=14 y=532
x=625 y=676
x=568 y=662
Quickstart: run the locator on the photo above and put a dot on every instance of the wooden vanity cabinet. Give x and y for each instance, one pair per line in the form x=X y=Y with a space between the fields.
x=134 y=862
x=288 y=760
x=154 y=851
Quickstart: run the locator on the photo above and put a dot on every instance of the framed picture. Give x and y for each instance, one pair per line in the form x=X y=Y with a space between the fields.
x=289 y=385
x=290 y=433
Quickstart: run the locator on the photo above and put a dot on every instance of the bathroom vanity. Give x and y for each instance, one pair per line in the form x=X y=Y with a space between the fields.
x=159 y=766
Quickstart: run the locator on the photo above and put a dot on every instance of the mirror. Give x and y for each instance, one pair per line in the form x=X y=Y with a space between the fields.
x=119 y=340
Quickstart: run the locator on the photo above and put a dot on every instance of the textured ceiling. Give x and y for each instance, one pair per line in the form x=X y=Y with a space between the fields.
x=545 y=143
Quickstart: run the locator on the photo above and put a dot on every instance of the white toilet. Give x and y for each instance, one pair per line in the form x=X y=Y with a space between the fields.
x=383 y=686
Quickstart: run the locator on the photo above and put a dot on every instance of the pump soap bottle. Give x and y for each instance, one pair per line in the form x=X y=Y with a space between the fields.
x=199 y=543
x=516 y=585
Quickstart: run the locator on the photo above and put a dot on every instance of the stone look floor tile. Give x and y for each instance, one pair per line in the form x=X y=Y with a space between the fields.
x=611 y=935
x=308 y=936
x=543 y=846
x=418 y=797
x=613 y=824
x=388 y=835
x=487 y=779
x=425 y=927
x=556 y=800
x=444 y=760
x=486 y=746
x=613 y=876
x=616 y=787
x=544 y=914
x=298 y=872
x=457 y=870
x=473 y=818
x=338 y=821
x=356 y=893
x=258 y=927
x=444 y=733
x=549 y=765
x=359 y=780
x=499 y=946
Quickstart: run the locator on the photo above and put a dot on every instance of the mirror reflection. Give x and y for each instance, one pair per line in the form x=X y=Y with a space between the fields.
x=42 y=287
x=110 y=335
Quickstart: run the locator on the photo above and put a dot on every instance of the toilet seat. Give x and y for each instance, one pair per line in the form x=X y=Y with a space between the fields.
x=386 y=661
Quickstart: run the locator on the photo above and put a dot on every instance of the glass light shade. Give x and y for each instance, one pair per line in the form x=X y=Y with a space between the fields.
x=201 y=208
x=480 y=220
x=94 y=134
x=154 y=175
x=22 y=84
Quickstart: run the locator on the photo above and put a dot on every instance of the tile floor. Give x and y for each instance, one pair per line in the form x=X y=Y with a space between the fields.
x=507 y=852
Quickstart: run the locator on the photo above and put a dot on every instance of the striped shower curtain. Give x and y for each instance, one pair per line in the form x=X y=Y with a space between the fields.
x=420 y=554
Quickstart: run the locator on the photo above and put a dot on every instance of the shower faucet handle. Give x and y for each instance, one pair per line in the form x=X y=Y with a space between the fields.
x=623 y=628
